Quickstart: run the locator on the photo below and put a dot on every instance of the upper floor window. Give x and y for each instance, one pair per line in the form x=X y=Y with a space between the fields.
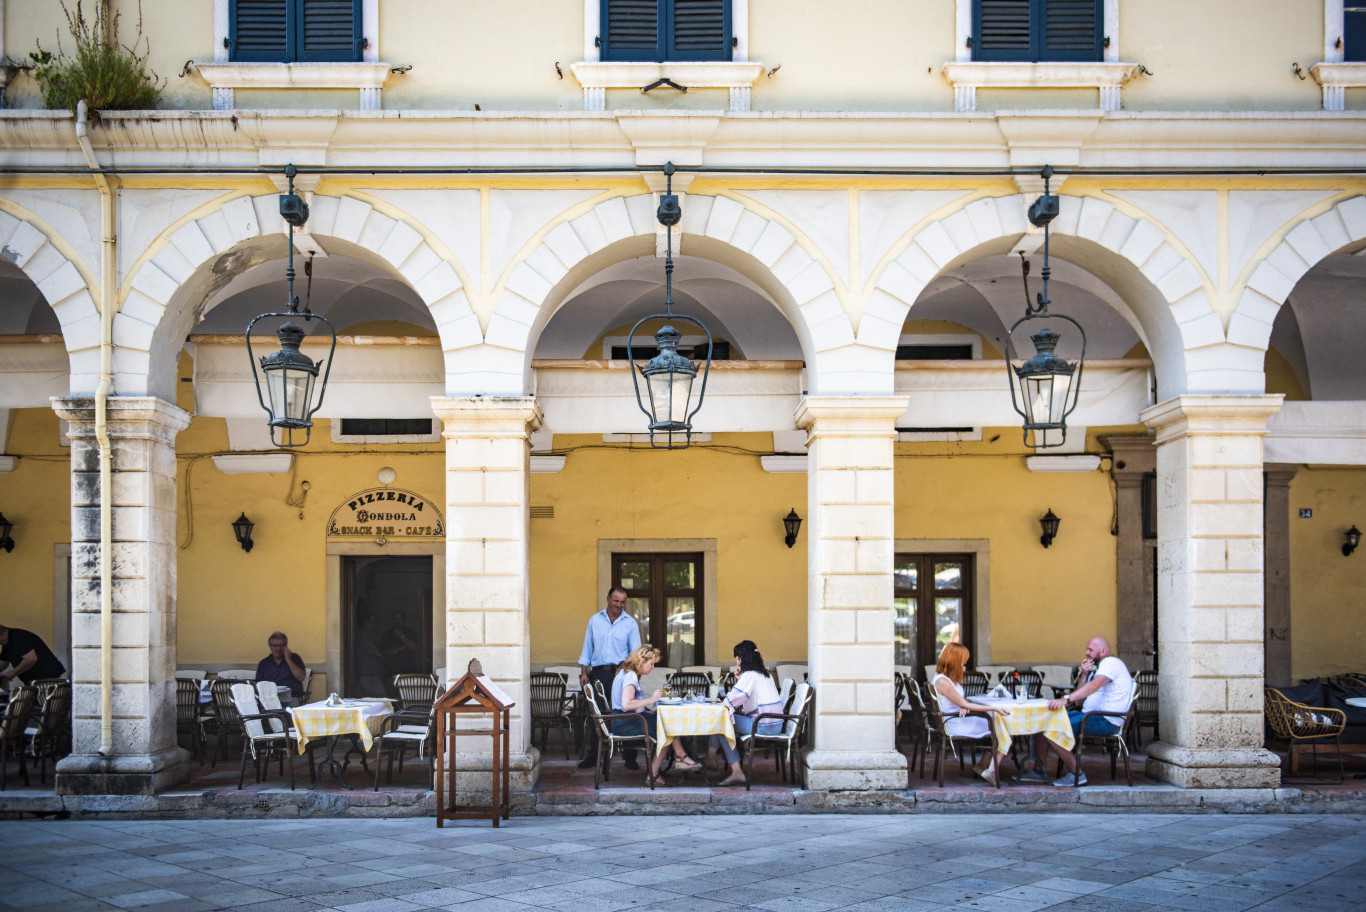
x=658 y=30
x=1354 y=32
x=1037 y=30
x=296 y=31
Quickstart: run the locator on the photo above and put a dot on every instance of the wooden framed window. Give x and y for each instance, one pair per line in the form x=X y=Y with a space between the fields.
x=933 y=602
x=295 y=31
x=658 y=30
x=1037 y=30
x=665 y=596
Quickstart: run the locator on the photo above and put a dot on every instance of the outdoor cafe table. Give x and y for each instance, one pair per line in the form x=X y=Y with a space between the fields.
x=1029 y=717
x=681 y=720
x=360 y=718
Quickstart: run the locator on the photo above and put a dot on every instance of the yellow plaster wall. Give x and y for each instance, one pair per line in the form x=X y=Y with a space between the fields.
x=1045 y=603
x=36 y=497
x=1327 y=619
x=716 y=491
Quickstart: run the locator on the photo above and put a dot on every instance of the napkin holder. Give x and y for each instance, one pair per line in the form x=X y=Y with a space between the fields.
x=333 y=700
x=999 y=691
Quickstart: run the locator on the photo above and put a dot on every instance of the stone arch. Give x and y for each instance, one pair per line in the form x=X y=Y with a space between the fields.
x=762 y=249
x=64 y=282
x=1169 y=294
x=163 y=295
x=1276 y=273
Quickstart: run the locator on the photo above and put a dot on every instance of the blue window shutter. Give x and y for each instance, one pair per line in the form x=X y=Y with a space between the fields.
x=659 y=30
x=1354 y=32
x=328 y=31
x=630 y=30
x=699 y=30
x=259 y=30
x=1037 y=30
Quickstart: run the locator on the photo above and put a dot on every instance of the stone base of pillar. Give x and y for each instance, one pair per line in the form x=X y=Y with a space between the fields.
x=138 y=774
x=472 y=774
x=1245 y=768
x=854 y=771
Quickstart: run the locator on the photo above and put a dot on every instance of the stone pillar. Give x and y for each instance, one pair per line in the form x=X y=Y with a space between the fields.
x=850 y=553
x=1133 y=458
x=1276 y=587
x=488 y=456
x=1209 y=501
x=144 y=758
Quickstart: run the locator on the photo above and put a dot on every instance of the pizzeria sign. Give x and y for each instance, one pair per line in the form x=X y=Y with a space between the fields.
x=390 y=512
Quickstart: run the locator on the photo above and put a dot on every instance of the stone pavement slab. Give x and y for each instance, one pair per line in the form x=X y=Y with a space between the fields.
x=787 y=863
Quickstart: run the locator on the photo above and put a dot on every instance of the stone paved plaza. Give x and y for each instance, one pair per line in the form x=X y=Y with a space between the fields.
x=790 y=863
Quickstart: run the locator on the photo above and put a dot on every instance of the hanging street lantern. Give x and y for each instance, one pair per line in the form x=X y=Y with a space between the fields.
x=289 y=373
x=1048 y=385
x=669 y=375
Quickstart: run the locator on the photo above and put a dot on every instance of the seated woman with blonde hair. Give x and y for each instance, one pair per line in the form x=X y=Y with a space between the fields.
x=627 y=697
x=948 y=688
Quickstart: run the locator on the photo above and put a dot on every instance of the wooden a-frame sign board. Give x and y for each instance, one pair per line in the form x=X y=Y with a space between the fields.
x=473 y=694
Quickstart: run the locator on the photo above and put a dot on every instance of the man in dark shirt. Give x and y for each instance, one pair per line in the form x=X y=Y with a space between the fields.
x=282 y=667
x=24 y=655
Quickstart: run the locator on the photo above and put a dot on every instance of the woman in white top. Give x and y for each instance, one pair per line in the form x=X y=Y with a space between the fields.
x=629 y=698
x=752 y=696
x=948 y=688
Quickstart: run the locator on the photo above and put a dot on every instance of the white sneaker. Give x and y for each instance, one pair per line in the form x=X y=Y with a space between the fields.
x=1067 y=780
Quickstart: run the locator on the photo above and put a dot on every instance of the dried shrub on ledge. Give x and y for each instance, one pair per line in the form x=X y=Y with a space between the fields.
x=110 y=76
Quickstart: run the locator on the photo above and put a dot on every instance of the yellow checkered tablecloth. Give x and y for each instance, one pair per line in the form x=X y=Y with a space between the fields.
x=683 y=719
x=314 y=721
x=1030 y=717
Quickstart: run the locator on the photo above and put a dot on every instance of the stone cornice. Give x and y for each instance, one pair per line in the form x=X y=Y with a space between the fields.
x=1121 y=139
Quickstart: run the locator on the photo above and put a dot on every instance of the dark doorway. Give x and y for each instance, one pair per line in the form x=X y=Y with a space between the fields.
x=378 y=643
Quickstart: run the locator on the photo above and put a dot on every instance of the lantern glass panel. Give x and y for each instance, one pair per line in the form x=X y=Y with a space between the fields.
x=669 y=394
x=291 y=391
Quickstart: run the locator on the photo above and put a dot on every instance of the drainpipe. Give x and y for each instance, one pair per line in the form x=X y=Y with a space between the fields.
x=108 y=294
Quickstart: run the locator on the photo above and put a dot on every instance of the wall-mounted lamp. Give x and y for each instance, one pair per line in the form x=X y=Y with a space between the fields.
x=1049 y=522
x=1353 y=539
x=5 y=527
x=241 y=527
x=791 y=523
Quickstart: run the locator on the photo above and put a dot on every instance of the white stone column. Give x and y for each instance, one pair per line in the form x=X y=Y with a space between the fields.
x=488 y=455
x=145 y=758
x=1210 y=627
x=850 y=555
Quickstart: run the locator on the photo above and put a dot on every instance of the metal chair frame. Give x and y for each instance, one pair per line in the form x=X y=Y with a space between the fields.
x=415 y=691
x=1117 y=744
x=598 y=710
x=51 y=735
x=937 y=725
x=260 y=737
x=12 y=725
x=550 y=706
x=975 y=683
x=784 y=742
x=404 y=729
x=1145 y=713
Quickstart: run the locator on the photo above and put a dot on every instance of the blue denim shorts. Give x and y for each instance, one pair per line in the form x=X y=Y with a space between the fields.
x=1096 y=725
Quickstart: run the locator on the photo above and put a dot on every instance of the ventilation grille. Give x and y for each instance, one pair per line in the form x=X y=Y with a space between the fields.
x=542 y=512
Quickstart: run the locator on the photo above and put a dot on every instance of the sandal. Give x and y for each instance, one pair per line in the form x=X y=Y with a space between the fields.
x=731 y=780
x=687 y=763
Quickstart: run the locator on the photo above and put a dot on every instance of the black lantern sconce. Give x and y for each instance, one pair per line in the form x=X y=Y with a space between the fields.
x=1048 y=385
x=1049 y=523
x=791 y=524
x=668 y=375
x=289 y=373
x=1353 y=539
x=241 y=528
x=5 y=528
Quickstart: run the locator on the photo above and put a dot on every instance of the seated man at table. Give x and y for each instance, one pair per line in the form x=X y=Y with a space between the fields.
x=25 y=656
x=1104 y=685
x=282 y=667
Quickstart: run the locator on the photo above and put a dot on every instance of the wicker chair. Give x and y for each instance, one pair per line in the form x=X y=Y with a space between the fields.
x=1145 y=713
x=918 y=727
x=50 y=735
x=599 y=709
x=187 y=714
x=940 y=734
x=975 y=683
x=226 y=717
x=12 y=725
x=549 y=706
x=692 y=681
x=415 y=691
x=784 y=742
x=1305 y=725
x=1031 y=681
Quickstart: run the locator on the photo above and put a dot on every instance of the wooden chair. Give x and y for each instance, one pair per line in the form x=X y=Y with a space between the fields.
x=415 y=691
x=1116 y=744
x=942 y=738
x=12 y=725
x=1303 y=725
x=1145 y=713
x=549 y=707
x=975 y=683
x=784 y=742
x=599 y=709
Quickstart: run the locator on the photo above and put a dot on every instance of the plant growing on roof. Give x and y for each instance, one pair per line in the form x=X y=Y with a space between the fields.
x=110 y=76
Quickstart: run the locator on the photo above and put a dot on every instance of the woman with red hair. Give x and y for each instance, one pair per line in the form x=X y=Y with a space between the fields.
x=948 y=687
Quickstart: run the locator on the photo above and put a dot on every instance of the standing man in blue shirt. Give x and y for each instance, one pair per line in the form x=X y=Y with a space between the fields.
x=612 y=635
